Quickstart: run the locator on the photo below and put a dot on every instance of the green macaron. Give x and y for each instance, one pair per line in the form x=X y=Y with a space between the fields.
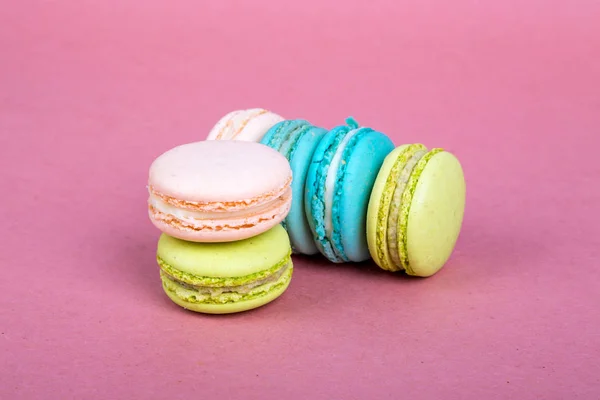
x=229 y=277
x=416 y=210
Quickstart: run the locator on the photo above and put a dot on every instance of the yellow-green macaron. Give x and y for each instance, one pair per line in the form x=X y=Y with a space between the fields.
x=416 y=210
x=229 y=277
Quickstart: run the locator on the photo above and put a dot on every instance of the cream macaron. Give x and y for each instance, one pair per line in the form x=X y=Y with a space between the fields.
x=244 y=125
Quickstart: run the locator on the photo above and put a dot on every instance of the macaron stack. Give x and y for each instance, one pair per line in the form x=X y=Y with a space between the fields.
x=234 y=208
x=219 y=205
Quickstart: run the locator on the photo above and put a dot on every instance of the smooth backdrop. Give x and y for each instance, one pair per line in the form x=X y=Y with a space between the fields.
x=92 y=91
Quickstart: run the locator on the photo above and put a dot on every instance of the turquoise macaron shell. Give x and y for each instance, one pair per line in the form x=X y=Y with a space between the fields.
x=297 y=140
x=361 y=160
x=279 y=135
x=314 y=194
x=362 y=167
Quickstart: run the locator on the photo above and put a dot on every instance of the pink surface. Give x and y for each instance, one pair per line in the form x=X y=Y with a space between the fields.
x=92 y=91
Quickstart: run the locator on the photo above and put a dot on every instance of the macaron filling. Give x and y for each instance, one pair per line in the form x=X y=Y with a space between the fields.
x=384 y=224
x=323 y=228
x=415 y=154
x=335 y=174
x=224 y=123
x=189 y=214
x=405 y=204
x=218 y=206
x=285 y=136
x=289 y=145
x=222 y=290
x=237 y=122
x=345 y=149
x=188 y=219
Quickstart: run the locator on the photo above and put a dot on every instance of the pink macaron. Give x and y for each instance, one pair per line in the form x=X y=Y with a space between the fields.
x=219 y=191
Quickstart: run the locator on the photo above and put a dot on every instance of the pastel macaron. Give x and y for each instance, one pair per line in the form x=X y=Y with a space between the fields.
x=341 y=175
x=222 y=278
x=219 y=191
x=416 y=210
x=297 y=141
x=244 y=125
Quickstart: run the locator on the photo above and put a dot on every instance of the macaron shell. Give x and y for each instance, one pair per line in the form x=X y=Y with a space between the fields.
x=436 y=214
x=218 y=190
x=380 y=187
x=220 y=125
x=296 y=221
x=231 y=259
x=219 y=171
x=314 y=201
x=256 y=128
x=252 y=225
x=279 y=133
x=236 y=263
x=229 y=308
x=363 y=164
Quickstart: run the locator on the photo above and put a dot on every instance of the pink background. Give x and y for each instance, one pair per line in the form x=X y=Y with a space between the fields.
x=92 y=91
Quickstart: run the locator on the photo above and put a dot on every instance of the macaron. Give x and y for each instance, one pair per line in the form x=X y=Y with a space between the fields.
x=219 y=191
x=416 y=210
x=222 y=278
x=341 y=175
x=297 y=141
x=244 y=125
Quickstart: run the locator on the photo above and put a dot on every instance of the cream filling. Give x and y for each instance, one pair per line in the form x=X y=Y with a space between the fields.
x=395 y=206
x=331 y=179
x=191 y=216
x=238 y=122
x=287 y=143
x=201 y=293
x=223 y=125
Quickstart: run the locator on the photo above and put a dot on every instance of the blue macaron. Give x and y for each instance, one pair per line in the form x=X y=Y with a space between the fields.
x=341 y=176
x=297 y=141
